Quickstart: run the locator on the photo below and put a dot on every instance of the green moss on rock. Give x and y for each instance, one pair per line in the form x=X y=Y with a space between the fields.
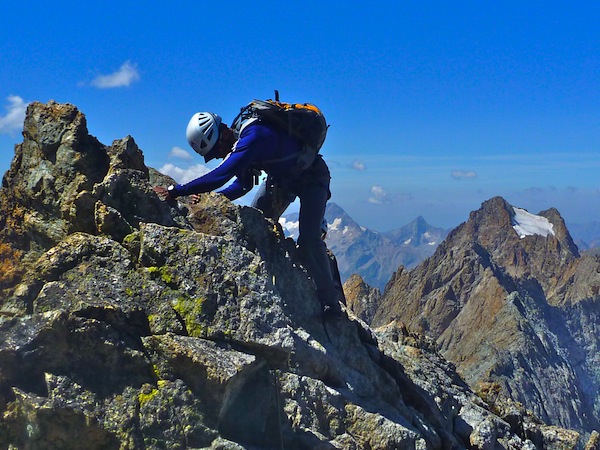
x=190 y=311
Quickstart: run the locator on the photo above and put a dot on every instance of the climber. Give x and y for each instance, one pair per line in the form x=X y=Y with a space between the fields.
x=262 y=146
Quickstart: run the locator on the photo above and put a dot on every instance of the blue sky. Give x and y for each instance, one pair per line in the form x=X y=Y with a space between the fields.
x=434 y=107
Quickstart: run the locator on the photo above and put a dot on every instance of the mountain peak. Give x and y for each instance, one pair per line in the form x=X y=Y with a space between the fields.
x=499 y=226
x=420 y=221
x=335 y=210
x=507 y=294
x=417 y=233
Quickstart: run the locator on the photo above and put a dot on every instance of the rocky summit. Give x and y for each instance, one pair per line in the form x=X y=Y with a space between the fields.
x=510 y=301
x=131 y=323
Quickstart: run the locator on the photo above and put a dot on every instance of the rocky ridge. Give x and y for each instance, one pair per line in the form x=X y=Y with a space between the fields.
x=130 y=323
x=361 y=298
x=517 y=310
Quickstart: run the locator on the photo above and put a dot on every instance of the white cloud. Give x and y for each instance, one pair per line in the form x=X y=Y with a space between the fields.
x=178 y=152
x=378 y=195
x=358 y=165
x=184 y=175
x=463 y=174
x=15 y=115
x=126 y=75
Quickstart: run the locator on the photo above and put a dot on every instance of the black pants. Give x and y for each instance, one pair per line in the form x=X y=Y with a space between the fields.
x=273 y=198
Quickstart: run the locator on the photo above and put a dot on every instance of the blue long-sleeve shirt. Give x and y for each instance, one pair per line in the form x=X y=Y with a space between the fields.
x=260 y=146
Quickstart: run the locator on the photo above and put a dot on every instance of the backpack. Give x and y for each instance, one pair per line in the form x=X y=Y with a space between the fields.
x=303 y=121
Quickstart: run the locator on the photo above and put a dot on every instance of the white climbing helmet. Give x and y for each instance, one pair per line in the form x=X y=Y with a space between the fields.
x=203 y=132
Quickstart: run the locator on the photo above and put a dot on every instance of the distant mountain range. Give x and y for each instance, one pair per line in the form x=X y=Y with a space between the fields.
x=586 y=236
x=513 y=303
x=374 y=256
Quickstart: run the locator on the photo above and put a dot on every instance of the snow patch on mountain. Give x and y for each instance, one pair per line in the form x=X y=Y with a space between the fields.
x=290 y=227
x=527 y=224
x=335 y=226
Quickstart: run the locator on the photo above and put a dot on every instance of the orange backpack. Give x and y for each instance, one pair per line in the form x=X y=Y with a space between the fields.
x=303 y=121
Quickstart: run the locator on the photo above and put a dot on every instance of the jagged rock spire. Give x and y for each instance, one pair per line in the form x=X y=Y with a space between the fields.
x=63 y=180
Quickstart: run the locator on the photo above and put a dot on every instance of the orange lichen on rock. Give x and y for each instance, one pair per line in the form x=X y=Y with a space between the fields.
x=10 y=269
